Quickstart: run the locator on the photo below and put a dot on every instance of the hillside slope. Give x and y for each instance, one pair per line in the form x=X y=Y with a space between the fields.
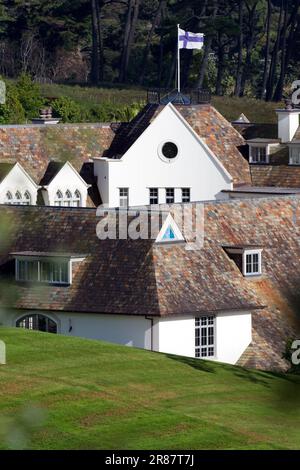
x=70 y=393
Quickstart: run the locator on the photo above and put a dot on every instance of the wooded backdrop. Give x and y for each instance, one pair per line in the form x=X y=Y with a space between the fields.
x=251 y=46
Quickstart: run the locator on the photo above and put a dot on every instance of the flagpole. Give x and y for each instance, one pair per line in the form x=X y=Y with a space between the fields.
x=178 y=61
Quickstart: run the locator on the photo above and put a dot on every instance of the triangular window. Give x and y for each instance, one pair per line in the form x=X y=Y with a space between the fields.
x=169 y=234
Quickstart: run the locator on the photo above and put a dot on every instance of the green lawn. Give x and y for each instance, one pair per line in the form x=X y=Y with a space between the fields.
x=67 y=393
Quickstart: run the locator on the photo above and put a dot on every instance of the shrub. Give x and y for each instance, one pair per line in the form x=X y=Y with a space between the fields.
x=29 y=96
x=68 y=110
x=12 y=112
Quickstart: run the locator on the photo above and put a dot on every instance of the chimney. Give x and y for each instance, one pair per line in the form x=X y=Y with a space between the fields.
x=288 y=121
x=45 y=117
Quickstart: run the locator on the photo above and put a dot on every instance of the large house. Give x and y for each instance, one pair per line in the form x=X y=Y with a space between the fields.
x=233 y=298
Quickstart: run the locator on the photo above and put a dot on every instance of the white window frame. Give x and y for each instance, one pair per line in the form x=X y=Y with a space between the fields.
x=123 y=198
x=18 y=198
x=153 y=197
x=257 y=160
x=185 y=198
x=167 y=197
x=251 y=253
x=202 y=351
x=67 y=199
x=39 y=270
x=291 y=156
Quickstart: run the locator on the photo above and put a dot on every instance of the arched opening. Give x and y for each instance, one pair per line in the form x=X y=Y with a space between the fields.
x=68 y=199
x=18 y=199
x=8 y=197
x=77 y=199
x=37 y=322
x=27 y=199
x=58 y=199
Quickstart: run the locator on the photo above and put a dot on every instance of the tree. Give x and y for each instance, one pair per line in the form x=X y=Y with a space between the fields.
x=267 y=50
x=239 y=72
x=131 y=22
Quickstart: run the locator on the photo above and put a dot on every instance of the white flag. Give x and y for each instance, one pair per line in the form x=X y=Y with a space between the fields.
x=187 y=40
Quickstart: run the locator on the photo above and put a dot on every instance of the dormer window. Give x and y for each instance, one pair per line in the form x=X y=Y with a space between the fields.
x=169 y=232
x=252 y=263
x=58 y=199
x=294 y=155
x=258 y=154
x=18 y=198
x=16 y=185
x=45 y=268
x=247 y=259
x=68 y=200
x=62 y=186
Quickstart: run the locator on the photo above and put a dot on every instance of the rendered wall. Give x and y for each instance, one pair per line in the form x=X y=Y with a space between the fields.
x=128 y=330
x=177 y=336
x=141 y=167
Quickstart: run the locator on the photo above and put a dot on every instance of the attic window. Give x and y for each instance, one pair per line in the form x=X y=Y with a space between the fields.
x=170 y=232
x=247 y=259
x=42 y=267
x=294 y=156
x=168 y=151
x=258 y=154
x=18 y=199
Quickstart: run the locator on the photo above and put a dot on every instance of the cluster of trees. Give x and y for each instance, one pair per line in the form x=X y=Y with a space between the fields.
x=24 y=99
x=251 y=46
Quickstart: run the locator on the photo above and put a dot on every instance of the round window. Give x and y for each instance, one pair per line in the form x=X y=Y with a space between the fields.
x=169 y=150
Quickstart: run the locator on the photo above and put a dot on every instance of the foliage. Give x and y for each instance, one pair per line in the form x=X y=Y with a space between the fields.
x=101 y=41
x=29 y=95
x=67 y=109
x=12 y=112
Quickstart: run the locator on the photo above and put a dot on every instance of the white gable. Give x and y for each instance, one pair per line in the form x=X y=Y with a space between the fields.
x=169 y=232
x=18 y=187
x=69 y=184
x=143 y=166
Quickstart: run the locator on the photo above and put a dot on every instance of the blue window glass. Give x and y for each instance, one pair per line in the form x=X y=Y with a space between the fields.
x=169 y=234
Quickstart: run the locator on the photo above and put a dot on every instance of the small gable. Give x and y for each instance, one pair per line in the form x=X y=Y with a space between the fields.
x=170 y=232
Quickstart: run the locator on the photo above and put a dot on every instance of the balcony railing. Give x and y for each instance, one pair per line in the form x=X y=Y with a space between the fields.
x=186 y=97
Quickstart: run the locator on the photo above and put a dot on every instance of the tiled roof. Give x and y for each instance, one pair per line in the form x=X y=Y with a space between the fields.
x=207 y=122
x=34 y=147
x=141 y=278
x=275 y=175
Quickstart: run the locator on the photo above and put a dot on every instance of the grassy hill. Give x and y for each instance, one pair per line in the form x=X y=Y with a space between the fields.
x=69 y=393
x=230 y=107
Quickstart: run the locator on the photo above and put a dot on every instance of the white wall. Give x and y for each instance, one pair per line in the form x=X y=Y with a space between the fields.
x=141 y=167
x=66 y=179
x=233 y=336
x=129 y=330
x=172 y=335
x=15 y=181
x=177 y=336
x=288 y=123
